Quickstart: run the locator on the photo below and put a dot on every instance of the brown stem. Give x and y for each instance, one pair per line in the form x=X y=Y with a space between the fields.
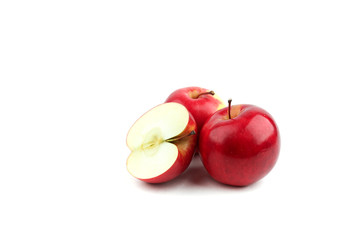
x=229 y=108
x=210 y=92
x=177 y=138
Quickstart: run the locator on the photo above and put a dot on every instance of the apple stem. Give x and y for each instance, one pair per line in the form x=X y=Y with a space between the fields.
x=177 y=138
x=210 y=92
x=229 y=108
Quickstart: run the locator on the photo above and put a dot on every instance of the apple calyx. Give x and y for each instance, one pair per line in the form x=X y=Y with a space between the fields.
x=229 y=108
x=204 y=93
x=177 y=138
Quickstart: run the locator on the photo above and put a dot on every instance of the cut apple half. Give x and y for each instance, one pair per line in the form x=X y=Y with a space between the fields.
x=162 y=143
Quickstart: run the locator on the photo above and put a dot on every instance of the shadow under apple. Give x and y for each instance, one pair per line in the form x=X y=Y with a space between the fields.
x=195 y=177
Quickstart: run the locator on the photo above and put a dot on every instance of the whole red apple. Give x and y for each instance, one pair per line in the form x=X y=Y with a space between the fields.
x=239 y=145
x=200 y=102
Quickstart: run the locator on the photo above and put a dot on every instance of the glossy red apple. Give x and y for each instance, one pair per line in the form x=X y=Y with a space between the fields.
x=162 y=143
x=239 y=145
x=200 y=102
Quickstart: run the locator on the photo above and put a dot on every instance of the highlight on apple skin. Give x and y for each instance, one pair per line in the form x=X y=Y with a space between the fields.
x=239 y=145
x=162 y=143
x=200 y=102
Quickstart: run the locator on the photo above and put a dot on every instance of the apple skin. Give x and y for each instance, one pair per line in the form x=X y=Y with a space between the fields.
x=202 y=107
x=241 y=150
x=186 y=147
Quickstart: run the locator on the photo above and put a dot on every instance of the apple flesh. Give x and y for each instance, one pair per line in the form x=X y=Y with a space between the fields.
x=162 y=143
x=200 y=102
x=239 y=145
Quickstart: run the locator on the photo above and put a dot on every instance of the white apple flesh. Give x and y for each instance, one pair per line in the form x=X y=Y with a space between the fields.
x=162 y=143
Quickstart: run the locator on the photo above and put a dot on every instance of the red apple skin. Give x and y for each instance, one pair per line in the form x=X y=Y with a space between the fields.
x=241 y=150
x=201 y=107
x=186 y=147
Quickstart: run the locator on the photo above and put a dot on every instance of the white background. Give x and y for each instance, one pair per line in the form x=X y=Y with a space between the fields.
x=75 y=75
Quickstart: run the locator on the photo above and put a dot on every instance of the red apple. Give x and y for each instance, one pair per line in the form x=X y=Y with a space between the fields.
x=162 y=143
x=200 y=102
x=239 y=145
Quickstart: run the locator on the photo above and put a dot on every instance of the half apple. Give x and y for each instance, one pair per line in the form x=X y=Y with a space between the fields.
x=162 y=143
